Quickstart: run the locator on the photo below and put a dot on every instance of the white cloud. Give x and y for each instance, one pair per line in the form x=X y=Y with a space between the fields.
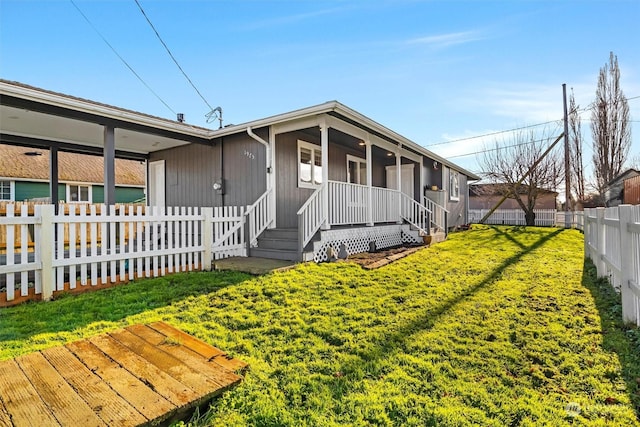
x=290 y=19
x=449 y=39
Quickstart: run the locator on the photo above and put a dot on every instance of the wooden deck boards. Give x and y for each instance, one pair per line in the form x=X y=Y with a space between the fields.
x=140 y=375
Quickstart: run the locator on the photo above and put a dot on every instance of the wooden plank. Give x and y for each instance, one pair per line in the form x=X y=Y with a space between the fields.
x=5 y=418
x=164 y=384
x=146 y=401
x=221 y=375
x=65 y=404
x=20 y=398
x=169 y=364
x=207 y=351
x=106 y=403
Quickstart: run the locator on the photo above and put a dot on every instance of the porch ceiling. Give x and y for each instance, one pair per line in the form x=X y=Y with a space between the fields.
x=52 y=118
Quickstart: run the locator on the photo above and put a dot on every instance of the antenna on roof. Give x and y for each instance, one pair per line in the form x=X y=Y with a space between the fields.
x=214 y=114
x=181 y=117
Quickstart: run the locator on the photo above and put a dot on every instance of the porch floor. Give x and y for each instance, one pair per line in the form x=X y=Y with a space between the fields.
x=252 y=265
x=140 y=375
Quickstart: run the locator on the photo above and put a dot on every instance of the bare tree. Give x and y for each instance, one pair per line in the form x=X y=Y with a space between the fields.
x=610 y=126
x=634 y=162
x=507 y=162
x=575 y=150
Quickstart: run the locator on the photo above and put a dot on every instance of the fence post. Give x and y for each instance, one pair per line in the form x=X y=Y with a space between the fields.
x=626 y=264
x=600 y=243
x=585 y=231
x=207 y=238
x=45 y=248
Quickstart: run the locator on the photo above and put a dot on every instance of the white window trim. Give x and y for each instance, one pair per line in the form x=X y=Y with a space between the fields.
x=79 y=184
x=12 y=190
x=313 y=148
x=453 y=174
x=359 y=161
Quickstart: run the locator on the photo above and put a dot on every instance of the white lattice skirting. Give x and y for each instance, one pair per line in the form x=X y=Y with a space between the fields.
x=356 y=240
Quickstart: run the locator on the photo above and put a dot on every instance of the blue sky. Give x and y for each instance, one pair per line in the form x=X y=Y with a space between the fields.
x=433 y=71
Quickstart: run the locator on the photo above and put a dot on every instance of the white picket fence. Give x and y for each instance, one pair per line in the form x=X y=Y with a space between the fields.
x=544 y=217
x=612 y=241
x=111 y=245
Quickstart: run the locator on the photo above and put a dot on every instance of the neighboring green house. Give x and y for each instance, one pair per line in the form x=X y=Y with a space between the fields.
x=24 y=175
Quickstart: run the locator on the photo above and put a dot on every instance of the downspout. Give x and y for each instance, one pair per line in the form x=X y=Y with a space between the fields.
x=267 y=152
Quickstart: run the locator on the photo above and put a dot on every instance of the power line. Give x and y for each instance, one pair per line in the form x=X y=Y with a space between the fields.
x=492 y=133
x=120 y=57
x=498 y=148
x=518 y=128
x=171 y=55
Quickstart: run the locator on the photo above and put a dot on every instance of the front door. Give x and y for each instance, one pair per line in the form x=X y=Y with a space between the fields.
x=406 y=178
x=156 y=184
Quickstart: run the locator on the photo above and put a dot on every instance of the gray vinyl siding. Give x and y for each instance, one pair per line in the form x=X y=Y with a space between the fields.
x=432 y=176
x=243 y=168
x=289 y=198
x=458 y=210
x=238 y=161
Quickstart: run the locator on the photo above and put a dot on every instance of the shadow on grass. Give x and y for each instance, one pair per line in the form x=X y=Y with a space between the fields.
x=617 y=337
x=429 y=319
x=71 y=312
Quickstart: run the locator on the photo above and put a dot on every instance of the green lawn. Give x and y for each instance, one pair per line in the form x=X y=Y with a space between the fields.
x=496 y=326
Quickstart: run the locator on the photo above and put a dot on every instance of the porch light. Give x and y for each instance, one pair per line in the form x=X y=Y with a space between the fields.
x=389 y=154
x=361 y=143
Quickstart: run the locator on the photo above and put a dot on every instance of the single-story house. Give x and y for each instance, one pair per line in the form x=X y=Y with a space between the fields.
x=314 y=178
x=614 y=191
x=24 y=175
x=486 y=196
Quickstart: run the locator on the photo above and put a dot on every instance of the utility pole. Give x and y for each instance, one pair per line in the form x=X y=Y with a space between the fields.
x=567 y=171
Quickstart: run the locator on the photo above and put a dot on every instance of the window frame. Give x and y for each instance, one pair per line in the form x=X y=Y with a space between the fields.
x=12 y=190
x=454 y=178
x=79 y=185
x=359 y=161
x=315 y=149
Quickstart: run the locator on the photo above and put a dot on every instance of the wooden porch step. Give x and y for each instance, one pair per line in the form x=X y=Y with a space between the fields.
x=140 y=375
x=277 y=243
x=281 y=233
x=283 y=254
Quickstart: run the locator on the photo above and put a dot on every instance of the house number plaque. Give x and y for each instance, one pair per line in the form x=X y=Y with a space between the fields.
x=249 y=154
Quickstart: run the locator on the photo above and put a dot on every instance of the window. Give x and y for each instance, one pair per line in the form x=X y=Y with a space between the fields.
x=356 y=170
x=6 y=190
x=78 y=193
x=309 y=165
x=454 y=185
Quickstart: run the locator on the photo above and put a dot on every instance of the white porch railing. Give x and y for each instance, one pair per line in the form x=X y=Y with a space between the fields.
x=612 y=241
x=385 y=205
x=92 y=245
x=416 y=214
x=348 y=203
x=310 y=217
x=259 y=216
x=438 y=214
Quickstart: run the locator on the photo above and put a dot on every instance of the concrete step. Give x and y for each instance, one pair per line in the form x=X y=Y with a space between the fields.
x=287 y=255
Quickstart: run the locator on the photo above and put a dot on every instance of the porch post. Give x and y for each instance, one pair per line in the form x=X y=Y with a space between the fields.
x=421 y=189
x=271 y=176
x=324 y=160
x=370 y=206
x=109 y=154
x=399 y=182
x=53 y=178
